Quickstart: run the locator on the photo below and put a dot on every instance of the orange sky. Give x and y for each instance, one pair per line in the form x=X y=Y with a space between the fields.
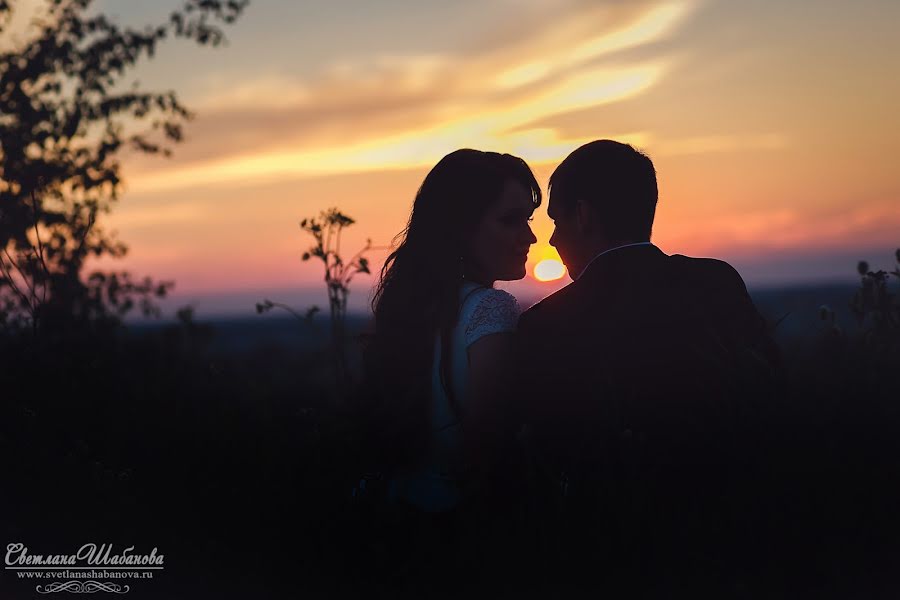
x=772 y=125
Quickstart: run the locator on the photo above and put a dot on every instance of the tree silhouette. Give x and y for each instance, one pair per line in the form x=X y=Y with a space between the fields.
x=65 y=116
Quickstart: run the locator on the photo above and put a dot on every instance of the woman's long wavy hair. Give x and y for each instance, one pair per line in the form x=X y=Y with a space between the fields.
x=417 y=297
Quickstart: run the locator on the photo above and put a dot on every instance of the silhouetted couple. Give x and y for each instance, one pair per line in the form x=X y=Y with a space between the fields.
x=591 y=441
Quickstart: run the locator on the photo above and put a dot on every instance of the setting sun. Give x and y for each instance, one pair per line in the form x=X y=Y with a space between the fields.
x=549 y=269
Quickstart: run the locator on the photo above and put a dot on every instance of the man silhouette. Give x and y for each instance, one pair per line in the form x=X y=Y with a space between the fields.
x=646 y=365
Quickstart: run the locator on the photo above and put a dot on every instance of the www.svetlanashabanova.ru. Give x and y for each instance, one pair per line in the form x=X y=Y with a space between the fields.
x=89 y=554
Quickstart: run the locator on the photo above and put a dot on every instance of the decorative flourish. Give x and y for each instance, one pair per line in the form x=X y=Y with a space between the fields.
x=82 y=587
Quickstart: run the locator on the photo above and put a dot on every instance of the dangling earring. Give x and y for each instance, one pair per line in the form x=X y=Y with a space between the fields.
x=462 y=268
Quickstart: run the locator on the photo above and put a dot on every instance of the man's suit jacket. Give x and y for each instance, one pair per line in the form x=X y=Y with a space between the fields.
x=640 y=343
x=633 y=380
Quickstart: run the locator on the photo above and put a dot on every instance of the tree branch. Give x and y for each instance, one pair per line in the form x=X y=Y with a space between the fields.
x=8 y=275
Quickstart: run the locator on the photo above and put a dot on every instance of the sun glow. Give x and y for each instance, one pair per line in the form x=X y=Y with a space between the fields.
x=549 y=269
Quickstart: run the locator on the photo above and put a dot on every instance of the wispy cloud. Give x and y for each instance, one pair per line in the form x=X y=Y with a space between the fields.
x=394 y=112
x=788 y=229
x=139 y=216
x=719 y=143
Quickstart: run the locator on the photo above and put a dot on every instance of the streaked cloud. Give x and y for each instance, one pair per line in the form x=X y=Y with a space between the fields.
x=395 y=112
x=771 y=136
x=137 y=216
x=719 y=143
x=785 y=229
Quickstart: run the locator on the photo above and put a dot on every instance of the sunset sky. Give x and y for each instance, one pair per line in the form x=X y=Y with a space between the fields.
x=773 y=127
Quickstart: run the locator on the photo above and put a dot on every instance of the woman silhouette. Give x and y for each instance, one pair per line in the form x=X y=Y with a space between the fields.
x=440 y=357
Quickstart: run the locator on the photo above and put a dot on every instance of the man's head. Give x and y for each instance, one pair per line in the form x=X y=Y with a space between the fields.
x=603 y=195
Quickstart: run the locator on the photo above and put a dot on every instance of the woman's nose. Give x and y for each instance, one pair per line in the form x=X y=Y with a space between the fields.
x=532 y=239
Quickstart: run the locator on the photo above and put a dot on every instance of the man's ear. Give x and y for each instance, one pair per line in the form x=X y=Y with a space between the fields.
x=584 y=216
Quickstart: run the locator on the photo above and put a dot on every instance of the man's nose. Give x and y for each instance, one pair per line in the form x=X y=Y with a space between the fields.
x=553 y=238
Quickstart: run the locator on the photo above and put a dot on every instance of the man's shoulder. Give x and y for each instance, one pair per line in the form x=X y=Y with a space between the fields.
x=548 y=309
x=718 y=287
x=711 y=271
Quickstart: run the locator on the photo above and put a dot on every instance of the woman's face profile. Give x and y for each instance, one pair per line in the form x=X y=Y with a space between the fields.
x=499 y=247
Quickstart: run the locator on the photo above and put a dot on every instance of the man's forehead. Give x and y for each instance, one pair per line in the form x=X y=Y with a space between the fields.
x=553 y=204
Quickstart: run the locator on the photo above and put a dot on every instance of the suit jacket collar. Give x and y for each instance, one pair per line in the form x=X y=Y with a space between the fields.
x=621 y=258
x=607 y=251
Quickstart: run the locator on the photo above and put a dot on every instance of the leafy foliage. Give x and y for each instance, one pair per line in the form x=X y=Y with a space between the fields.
x=875 y=306
x=326 y=230
x=267 y=305
x=65 y=118
x=253 y=443
x=877 y=311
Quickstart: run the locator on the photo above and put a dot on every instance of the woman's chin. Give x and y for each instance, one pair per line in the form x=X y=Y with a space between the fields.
x=514 y=275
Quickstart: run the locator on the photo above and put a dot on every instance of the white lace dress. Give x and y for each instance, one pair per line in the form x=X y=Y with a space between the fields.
x=431 y=486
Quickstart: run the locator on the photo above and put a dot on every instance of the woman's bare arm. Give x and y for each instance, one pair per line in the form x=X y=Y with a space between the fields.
x=490 y=422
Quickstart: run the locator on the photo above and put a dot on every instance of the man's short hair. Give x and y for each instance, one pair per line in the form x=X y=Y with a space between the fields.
x=616 y=180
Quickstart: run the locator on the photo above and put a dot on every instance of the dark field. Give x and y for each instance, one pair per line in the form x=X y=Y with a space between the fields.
x=227 y=446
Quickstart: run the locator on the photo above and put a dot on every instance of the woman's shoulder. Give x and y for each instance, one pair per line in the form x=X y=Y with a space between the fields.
x=487 y=311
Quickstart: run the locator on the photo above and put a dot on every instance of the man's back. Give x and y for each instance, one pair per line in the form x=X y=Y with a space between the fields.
x=635 y=402
x=642 y=323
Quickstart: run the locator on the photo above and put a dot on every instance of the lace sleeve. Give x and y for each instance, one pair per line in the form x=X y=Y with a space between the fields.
x=496 y=312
